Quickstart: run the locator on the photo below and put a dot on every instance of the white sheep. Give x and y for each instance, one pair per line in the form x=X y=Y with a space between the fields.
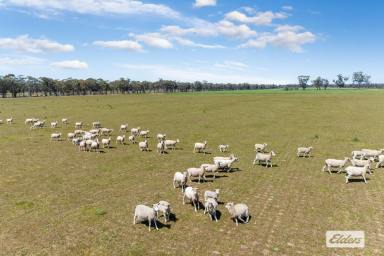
x=76 y=141
x=260 y=147
x=223 y=148
x=160 y=147
x=335 y=163
x=238 y=211
x=95 y=145
x=71 y=135
x=29 y=121
x=263 y=158
x=88 y=144
x=171 y=144
x=135 y=131
x=144 y=133
x=54 y=124
x=381 y=161
x=211 y=194
x=106 y=131
x=362 y=162
x=106 y=142
x=78 y=125
x=65 y=121
x=143 y=145
x=10 y=120
x=196 y=172
x=132 y=139
x=123 y=128
x=37 y=124
x=95 y=131
x=213 y=168
x=200 y=147
x=226 y=164
x=145 y=213
x=79 y=132
x=82 y=146
x=353 y=171
x=180 y=179
x=231 y=156
x=358 y=154
x=55 y=136
x=304 y=151
x=161 y=137
x=120 y=139
x=96 y=124
x=372 y=153
x=210 y=207
x=165 y=208
x=192 y=195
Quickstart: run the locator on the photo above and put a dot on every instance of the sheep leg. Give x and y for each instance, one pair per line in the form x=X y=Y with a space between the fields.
x=134 y=219
x=210 y=215
x=155 y=220
x=240 y=218
x=247 y=220
x=194 y=205
x=149 y=223
x=347 y=178
x=205 y=210
x=173 y=183
x=184 y=199
x=215 y=217
x=237 y=223
x=365 y=181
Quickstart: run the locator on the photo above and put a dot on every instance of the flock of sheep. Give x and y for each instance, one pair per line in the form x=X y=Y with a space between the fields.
x=89 y=141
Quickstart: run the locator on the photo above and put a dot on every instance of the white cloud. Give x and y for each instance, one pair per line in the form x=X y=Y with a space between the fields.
x=154 y=40
x=122 y=44
x=205 y=28
x=20 y=61
x=70 y=64
x=286 y=36
x=231 y=65
x=260 y=18
x=287 y=8
x=203 y=3
x=26 y=44
x=187 y=42
x=97 y=7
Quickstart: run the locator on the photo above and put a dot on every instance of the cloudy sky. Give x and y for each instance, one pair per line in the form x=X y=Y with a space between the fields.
x=258 y=41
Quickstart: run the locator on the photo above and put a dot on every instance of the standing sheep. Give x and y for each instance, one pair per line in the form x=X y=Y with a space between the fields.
x=264 y=158
x=160 y=147
x=260 y=147
x=381 y=161
x=210 y=207
x=10 y=120
x=145 y=213
x=143 y=145
x=196 y=172
x=54 y=124
x=353 y=171
x=200 y=147
x=96 y=124
x=132 y=139
x=226 y=164
x=106 y=142
x=193 y=196
x=171 y=144
x=335 y=163
x=223 y=148
x=161 y=137
x=144 y=134
x=120 y=139
x=180 y=179
x=135 y=131
x=362 y=163
x=124 y=128
x=304 y=151
x=238 y=211
x=56 y=136
x=165 y=208
x=213 y=168
x=78 y=125
x=211 y=194
x=358 y=154
x=64 y=121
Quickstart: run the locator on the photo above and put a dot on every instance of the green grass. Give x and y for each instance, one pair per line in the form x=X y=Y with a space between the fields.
x=56 y=200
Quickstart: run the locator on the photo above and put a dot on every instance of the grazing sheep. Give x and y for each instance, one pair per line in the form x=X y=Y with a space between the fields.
x=95 y=131
x=210 y=207
x=165 y=208
x=145 y=213
x=226 y=164
x=238 y=211
x=211 y=194
x=96 y=124
x=71 y=135
x=95 y=146
x=144 y=134
x=135 y=131
x=10 y=120
x=200 y=147
x=29 y=121
x=132 y=139
x=214 y=168
x=65 y=121
x=106 y=131
x=120 y=139
x=76 y=141
x=143 y=145
x=231 y=156
x=123 y=128
x=161 y=147
x=106 y=142
x=335 y=163
x=55 y=136
x=353 y=171
x=264 y=158
x=161 y=137
x=89 y=136
x=79 y=132
x=54 y=124
x=193 y=196
x=180 y=179
x=82 y=146
x=88 y=144
x=38 y=124
x=304 y=151
x=196 y=172
x=381 y=161
x=260 y=147
x=223 y=148
x=171 y=144
x=78 y=125
x=372 y=153
x=358 y=154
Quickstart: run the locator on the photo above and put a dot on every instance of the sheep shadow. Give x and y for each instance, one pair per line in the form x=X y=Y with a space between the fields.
x=355 y=180
x=201 y=181
x=172 y=217
x=160 y=225
x=217 y=176
x=230 y=170
x=241 y=223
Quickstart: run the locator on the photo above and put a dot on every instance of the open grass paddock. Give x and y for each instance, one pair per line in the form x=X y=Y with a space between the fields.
x=55 y=200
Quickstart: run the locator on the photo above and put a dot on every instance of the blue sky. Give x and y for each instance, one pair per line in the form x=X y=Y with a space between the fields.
x=257 y=41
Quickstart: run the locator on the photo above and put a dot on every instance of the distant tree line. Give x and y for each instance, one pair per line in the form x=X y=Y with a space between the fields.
x=21 y=86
